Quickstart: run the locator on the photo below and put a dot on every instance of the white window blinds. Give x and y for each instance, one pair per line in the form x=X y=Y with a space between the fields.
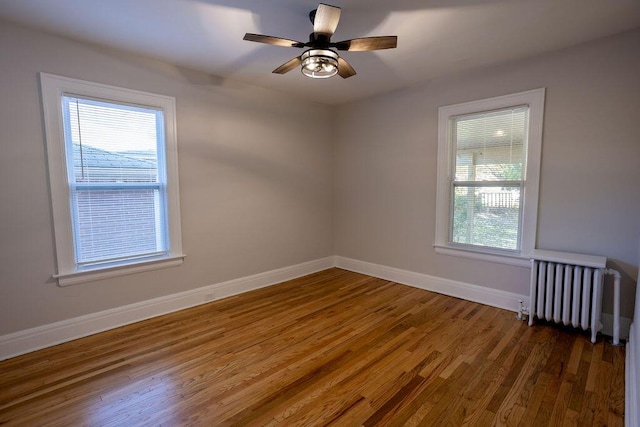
x=488 y=180
x=117 y=180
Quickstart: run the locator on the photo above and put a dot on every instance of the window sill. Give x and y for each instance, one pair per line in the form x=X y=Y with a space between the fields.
x=78 y=277
x=517 y=260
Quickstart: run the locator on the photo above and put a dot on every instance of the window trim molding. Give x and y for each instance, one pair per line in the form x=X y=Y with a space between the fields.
x=52 y=88
x=535 y=100
x=82 y=276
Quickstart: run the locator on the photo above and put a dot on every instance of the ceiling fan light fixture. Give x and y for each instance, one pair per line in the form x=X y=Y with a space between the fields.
x=319 y=63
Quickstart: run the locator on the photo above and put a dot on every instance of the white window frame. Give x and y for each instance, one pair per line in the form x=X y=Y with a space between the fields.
x=535 y=100
x=68 y=273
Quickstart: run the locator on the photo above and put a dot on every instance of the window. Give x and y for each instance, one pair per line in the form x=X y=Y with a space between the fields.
x=113 y=174
x=488 y=177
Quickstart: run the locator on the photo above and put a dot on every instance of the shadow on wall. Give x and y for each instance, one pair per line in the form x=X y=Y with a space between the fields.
x=628 y=287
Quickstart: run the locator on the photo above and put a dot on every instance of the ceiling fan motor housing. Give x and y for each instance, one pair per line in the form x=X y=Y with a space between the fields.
x=319 y=40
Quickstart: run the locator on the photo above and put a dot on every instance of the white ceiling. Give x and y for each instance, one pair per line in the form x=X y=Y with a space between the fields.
x=435 y=37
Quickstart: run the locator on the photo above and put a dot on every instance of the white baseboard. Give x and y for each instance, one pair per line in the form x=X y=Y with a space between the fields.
x=607 y=326
x=45 y=336
x=483 y=295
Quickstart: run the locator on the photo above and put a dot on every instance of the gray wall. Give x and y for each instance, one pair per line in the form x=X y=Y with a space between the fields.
x=385 y=171
x=255 y=194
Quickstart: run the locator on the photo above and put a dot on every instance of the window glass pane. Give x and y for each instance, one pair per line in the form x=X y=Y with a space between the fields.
x=113 y=224
x=486 y=216
x=116 y=180
x=490 y=146
x=112 y=142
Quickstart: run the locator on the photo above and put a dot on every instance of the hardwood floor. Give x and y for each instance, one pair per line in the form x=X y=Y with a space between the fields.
x=331 y=348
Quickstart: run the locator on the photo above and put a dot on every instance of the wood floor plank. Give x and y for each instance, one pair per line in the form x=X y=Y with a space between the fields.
x=616 y=396
x=331 y=348
x=514 y=399
x=561 y=404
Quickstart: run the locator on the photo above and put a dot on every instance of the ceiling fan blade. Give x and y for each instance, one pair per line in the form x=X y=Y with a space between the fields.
x=367 y=43
x=326 y=19
x=277 y=41
x=345 y=70
x=288 y=66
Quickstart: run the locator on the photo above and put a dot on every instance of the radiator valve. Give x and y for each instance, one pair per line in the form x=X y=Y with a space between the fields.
x=523 y=311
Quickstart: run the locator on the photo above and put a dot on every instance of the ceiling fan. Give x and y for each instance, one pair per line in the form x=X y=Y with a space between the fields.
x=321 y=59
